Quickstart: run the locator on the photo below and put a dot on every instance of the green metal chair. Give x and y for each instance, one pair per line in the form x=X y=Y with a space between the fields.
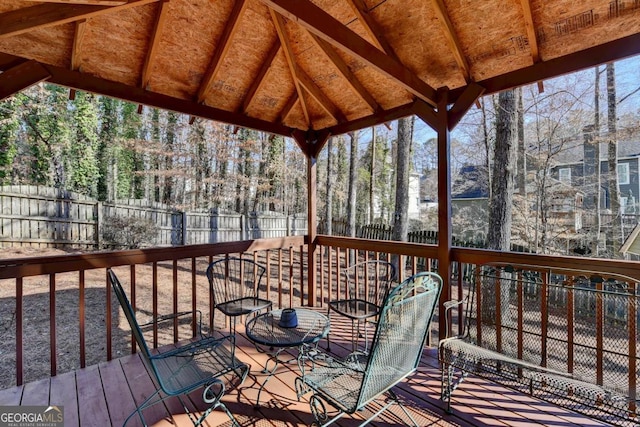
x=367 y=285
x=198 y=364
x=234 y=284
x=402 y=330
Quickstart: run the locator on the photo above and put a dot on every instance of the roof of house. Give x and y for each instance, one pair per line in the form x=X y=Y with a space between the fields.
x=297 y=65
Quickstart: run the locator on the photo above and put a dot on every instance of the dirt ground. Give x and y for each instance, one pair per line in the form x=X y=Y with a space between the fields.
x=36 y=316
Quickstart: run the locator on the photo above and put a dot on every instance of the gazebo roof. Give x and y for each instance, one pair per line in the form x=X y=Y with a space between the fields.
x=324 y=65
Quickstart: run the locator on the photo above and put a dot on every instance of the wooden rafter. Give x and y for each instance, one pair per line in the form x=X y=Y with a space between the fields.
x=531 y=35
x=20 y=77
x=262 y=73
x=317 y=94
x=288 y=53
x=381 y=116
x=23 y=20
x=460 y=107
x=308 y=15
x=153 y=43
x=288 y=107
x=221 y=48
x=78 y=38
x=452 y=38
x=372 y=27
x=343 y=68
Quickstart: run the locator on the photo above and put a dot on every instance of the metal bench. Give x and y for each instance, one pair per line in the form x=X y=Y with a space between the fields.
x=568 y=338
x=197 y=364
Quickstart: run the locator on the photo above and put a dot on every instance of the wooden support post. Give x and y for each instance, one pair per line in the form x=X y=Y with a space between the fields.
x=444 y=202
x=21 y=77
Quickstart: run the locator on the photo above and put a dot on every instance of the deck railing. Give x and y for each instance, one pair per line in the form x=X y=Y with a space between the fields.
x=69 y=294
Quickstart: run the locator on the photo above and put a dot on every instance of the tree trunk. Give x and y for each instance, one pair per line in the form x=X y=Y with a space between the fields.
x=328 y=214
x=522 y=160
x=351 y=199
x=597 y=173
x=403 y=162
x=615 y=233
x=372 y=175
x=502 y=184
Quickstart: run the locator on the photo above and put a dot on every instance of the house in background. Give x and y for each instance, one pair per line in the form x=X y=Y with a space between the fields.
x=576 y=165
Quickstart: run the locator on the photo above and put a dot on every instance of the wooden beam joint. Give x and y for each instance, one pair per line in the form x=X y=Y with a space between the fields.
x=20 y=77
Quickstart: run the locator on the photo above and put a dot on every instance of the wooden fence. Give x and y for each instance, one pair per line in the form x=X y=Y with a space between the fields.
x=49 y=217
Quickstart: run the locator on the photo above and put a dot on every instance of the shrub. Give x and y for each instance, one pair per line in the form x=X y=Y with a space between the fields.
x=128 y=233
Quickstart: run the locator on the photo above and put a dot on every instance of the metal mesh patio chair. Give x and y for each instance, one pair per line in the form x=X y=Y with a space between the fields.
x=402 y=330
x=367 y=285
x=234 y=284
x=198 y=364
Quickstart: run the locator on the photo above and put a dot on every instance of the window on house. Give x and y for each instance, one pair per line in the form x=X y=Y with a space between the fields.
x=564 y=175
x=623 y=173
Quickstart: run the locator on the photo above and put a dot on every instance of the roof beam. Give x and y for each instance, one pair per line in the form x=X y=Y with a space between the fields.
x=288 y=107
x=256 y=85
x=221 y=48
x=20 y=77
x=81 y=81
x=452 y=38
x=601 y=54
x=100 y=2
x=288 y=53
x=460 y=107
x=328 y=28
x=43 y=15
x=153 y=43
x=343 y=68
x=78 y=38
x=371 y=26
x=381 y=116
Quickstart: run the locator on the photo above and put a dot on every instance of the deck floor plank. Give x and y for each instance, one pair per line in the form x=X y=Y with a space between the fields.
x=106 y=394
x=91 y=398
x=64 y=393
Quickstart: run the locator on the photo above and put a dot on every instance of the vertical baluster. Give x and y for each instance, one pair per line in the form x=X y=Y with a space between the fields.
x=52 y=324
x=155 y=303
x=194 y=298
x=132 y=275
x=290 y=277
x=81 y=317
x=632 y=325
x=175 y=300
x=19 y=331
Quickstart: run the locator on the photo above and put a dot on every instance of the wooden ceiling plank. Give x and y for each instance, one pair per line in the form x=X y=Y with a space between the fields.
x=20 y=77
x=26 y=19
x=153 y=43
x=81 y=81
x=221 y=48
x=99 y=2
x=308 y=15
x=607 y=52
x=531 y=30
x=293 y=66
x=317 y=94
x=343 y=68
x=464 y=102
x=452 y=38
x=262 y=73
x=371 y=26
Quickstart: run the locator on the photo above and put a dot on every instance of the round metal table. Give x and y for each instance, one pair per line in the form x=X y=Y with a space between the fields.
x=264 y=330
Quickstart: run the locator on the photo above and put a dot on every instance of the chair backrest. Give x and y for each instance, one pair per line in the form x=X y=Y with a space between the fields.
x=401 y=333
x=369 y=280
x=129 y=314
x=234 y=278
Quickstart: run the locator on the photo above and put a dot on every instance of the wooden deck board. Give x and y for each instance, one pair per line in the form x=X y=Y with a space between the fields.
x=106 y=394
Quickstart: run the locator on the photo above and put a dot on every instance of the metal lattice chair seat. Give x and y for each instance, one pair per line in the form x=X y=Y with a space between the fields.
x=243 y=306
x=401 y=332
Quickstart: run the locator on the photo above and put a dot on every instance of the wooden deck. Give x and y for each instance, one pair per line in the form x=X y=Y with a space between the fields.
x=105 y=394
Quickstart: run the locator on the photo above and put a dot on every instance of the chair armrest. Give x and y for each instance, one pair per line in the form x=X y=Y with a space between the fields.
x=449 y=305
x=198 y=346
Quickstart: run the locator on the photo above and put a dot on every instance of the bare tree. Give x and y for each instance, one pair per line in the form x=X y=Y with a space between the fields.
x=616 y=230
x=403 y=163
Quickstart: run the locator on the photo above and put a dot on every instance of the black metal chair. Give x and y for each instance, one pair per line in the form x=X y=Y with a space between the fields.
x=367 y=285
x=401 y=332
x=234 y=284
x=185 y=368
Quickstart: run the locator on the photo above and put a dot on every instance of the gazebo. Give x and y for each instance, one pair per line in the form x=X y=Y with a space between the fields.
x=312 y=69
